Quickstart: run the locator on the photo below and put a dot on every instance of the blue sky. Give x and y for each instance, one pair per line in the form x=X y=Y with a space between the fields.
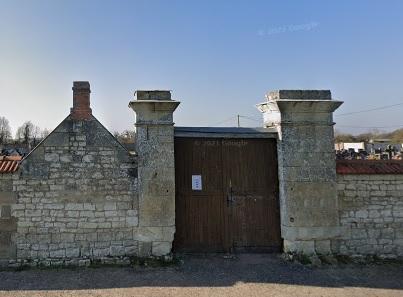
x=218 y=57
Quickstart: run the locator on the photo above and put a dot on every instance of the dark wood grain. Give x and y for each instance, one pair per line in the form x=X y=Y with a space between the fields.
x=237 y=207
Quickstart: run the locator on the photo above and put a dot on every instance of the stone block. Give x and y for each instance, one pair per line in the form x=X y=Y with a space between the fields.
x=387 y=233
x=132 y=250
x=106 y=236
x=399 y=233
x=154 y=233
x=51 y=157
x=117 y=251
x=156 y=210
x=362 y=214
x=110 y=206
x=89 y=206
x=153 y=95
x=111 y=213
x=132 y=221
x=87 y=225
x=61 y=253
x=161 y=248
x=144 y=249
x=72 y=252
x=303 y=247
x=67 y=237
x=100 y=252
x=74 y=206
x=311 y=233
x=33 y=213
x=53 y=206
x=323 y=247
x=300 y=94
x=358 y=233
x=374 y=233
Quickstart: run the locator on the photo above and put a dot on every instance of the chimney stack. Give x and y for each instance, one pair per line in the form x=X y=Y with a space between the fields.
x=81 y=109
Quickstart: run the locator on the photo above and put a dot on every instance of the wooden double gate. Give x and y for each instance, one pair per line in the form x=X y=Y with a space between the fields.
x=226 y=195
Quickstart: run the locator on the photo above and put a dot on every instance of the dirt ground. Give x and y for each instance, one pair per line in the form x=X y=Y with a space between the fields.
x=212 y=275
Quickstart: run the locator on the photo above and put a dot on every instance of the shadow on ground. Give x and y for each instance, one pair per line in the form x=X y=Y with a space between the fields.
x=207 y=271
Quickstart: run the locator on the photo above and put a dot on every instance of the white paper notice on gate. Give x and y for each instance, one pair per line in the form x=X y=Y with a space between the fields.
x=196 y=182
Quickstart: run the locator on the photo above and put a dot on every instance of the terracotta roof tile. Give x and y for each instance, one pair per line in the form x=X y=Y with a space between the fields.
x=9 y=164
x=369 y=166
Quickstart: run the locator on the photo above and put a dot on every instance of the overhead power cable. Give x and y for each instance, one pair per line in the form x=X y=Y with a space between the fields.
x=223 y=122
x=236 y=119
x=368 y=110
x=249 y=118
x=369 y=127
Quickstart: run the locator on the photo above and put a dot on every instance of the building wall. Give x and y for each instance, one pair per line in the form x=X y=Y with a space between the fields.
x=77 y=198
x=8 y=225
x=371 y=210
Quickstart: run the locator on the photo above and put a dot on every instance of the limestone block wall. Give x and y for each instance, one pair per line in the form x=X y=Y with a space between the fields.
x=371 y=210
x=77 y=198
x=8 y=225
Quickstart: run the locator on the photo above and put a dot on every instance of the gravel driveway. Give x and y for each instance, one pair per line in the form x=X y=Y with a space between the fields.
x=213 y=275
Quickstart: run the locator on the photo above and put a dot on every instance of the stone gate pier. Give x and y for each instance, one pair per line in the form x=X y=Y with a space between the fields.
x=307 y=170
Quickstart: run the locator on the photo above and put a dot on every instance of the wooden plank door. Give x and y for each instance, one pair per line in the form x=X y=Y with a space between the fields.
x=237 y=206
x=200 y=214
x=250 y=176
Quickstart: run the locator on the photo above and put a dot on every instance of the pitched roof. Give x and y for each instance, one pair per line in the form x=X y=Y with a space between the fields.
x=9 y=164
x=369 y=166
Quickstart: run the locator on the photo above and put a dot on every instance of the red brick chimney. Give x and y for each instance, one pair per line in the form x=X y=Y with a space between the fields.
x=81 y=109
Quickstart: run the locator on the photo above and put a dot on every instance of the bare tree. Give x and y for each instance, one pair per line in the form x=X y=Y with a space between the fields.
x=45 y=132
x=5 y=130
x=116 y=134
x=28 y=134
x=125 y=137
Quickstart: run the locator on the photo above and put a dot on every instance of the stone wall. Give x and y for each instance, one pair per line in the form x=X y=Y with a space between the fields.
x=81 y=197
x=8 y=225
x=371 y=210
x=77 y=198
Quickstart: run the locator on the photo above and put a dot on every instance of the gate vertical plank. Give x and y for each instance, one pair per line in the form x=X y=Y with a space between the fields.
x=200 y=217
x=204 y=222
x=251 y=166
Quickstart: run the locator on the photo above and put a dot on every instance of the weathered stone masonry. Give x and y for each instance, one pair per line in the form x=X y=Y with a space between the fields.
x=76 y=193
x=371 y=210
x=75 y=198
x=80 y=196
x=323 y=212
x=156 y=169
x=307 y=171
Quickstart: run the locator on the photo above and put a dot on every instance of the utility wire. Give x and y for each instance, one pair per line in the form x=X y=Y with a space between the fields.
x=222 y=122
x=249 y=118
x=369 y=127
x=235 y=118
x=368 y=110
x=337 y=125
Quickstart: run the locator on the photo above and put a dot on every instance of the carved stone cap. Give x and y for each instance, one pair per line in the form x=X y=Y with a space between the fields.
x=300 y=95
x=153 y=107
x=153 y=95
